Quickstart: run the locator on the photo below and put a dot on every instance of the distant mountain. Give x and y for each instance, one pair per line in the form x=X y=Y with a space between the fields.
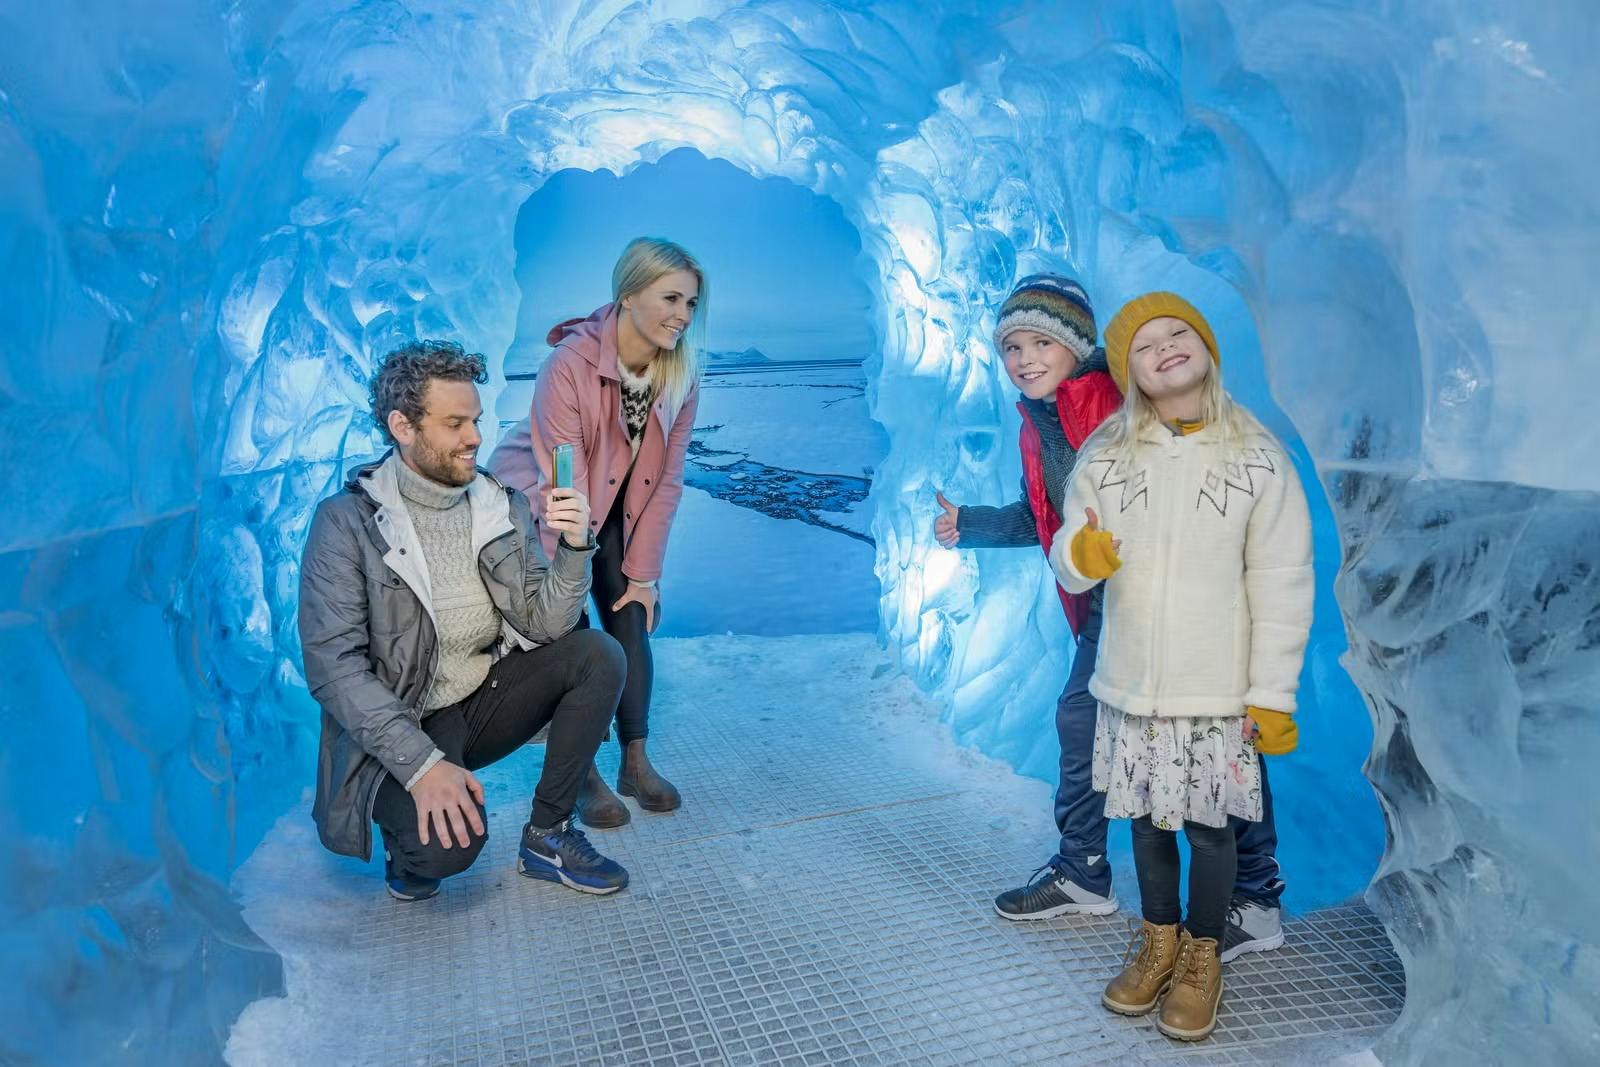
x=749 y=355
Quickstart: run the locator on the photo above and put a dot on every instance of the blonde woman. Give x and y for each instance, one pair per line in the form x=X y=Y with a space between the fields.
x=622 y=387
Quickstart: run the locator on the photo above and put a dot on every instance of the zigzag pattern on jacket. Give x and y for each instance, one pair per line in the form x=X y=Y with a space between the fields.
x=1116 y=473
x=1214 y=487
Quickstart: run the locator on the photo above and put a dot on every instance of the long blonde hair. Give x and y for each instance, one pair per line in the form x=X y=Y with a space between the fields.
x=1120 y=433
x=641 y=265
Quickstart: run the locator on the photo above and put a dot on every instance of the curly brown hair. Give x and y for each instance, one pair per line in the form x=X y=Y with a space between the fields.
x=403 y=375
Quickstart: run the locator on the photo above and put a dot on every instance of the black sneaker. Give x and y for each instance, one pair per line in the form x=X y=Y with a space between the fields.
x=404 y=885
x=562 y=854
x=1049 y=894
x=1252 y=927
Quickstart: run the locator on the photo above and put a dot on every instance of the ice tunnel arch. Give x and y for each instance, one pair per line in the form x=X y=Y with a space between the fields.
x=957 y=176
x=1345 y=176
x=960 y=173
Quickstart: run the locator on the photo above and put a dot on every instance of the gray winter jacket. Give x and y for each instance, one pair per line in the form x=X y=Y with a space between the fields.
x=368 y=634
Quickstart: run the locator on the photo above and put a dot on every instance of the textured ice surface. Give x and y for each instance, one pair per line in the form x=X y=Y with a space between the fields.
x=215 y=218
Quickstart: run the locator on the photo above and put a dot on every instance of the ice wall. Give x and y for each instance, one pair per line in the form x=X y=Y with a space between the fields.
x=118 y=784
x=216 y=218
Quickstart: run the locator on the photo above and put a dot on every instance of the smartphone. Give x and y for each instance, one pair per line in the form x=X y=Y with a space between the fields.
x=561 y=457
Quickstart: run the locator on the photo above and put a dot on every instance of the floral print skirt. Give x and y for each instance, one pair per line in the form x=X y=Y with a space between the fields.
x=1176 y=770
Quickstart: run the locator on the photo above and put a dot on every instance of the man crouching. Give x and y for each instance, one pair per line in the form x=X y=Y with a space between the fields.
x=438 y=639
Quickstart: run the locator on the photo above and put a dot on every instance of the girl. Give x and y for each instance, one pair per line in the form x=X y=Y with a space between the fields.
x=622 y=387
x=1207 y=609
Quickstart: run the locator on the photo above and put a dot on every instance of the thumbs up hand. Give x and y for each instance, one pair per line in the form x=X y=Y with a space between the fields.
x=1094 y=551
x=945 y=530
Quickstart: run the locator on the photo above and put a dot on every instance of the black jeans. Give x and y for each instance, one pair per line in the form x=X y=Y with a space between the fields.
x=630 y=626
x=1212 y=863
x=572 y=684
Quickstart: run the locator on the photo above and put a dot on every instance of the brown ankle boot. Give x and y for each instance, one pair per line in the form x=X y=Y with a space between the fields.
x=597 y=805
x=1150 y=957
x=1190 y=1010
x=638 y=779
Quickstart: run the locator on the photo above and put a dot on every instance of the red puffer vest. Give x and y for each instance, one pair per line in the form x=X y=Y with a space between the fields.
x=1083 y=404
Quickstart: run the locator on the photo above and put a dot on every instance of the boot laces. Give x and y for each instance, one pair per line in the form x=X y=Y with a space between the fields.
x=1141 y=947
x=1188 y=969
x=1137 y=942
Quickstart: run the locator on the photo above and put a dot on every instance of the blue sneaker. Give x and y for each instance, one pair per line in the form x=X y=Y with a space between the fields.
x=405 y=886
x=562 y=854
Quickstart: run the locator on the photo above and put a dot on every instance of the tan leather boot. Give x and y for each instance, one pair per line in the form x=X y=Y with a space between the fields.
x=638 y=779
x=1150 y=958
x=597 y=805
x=1190 y=1011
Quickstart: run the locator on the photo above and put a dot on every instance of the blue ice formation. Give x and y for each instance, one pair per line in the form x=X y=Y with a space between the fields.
x=214 y=219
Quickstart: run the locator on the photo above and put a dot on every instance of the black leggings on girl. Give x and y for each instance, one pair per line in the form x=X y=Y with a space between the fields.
x=1213 y=863
x=628 y=626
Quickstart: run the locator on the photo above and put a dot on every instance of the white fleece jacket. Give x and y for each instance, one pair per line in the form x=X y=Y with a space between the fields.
x=1211 y=608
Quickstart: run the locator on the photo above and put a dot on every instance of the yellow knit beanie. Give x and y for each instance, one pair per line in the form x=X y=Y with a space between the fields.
x=1140 y=310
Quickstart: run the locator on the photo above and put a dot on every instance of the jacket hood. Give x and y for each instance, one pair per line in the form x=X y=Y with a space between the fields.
x=369 y=480
x=579 y=331
x=593 y=338
x=353 y=482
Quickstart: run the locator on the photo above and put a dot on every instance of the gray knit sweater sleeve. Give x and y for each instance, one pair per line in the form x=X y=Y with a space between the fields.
x=1011 y=526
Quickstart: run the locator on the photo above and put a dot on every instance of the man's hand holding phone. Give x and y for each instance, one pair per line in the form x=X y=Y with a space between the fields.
x=567 y=510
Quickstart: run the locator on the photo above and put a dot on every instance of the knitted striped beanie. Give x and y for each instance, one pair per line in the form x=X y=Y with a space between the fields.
x=1053 y=305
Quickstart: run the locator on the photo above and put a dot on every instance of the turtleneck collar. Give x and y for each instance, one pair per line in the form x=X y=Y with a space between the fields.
x=424 y=491
x=1094 y=361
x=1042 y=409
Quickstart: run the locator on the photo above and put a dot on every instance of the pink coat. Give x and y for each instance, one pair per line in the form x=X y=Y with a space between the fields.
x=578 y=399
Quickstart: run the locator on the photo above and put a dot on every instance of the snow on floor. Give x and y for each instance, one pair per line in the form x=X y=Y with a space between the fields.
x=824 y=896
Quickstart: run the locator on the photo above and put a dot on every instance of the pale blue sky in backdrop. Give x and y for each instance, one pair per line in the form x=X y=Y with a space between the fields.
x=784 y=265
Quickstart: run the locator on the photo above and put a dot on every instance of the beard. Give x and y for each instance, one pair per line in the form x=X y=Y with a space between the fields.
x=441 y=467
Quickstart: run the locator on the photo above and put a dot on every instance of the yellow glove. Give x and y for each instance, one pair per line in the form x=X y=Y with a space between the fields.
x=1277 y=733
x=1094 y=553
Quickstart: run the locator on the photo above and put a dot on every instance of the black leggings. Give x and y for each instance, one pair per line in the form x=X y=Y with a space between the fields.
x=1213 y=864
x=629 y=626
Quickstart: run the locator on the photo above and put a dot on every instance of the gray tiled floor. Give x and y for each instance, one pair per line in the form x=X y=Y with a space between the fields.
x=823 y=898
